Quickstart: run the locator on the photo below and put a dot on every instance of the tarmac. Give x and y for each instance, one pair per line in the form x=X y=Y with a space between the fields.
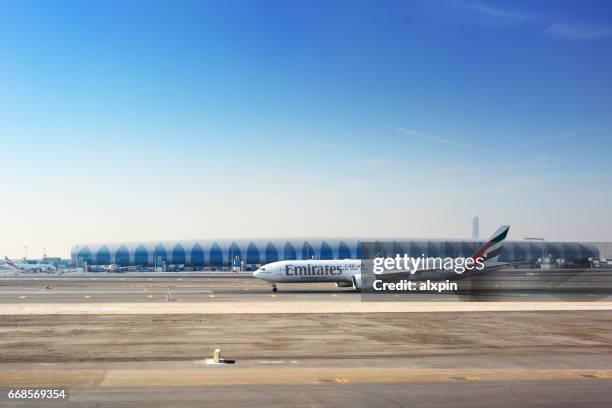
x=510 y=359
x=117 y=340
x=506 y=285
x=521 y=393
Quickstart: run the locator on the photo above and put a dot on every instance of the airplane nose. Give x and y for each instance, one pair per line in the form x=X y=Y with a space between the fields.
x=256 y=274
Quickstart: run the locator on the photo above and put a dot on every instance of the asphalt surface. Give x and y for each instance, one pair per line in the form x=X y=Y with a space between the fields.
x=505 y=359
x=505 y=285
x=577 y=393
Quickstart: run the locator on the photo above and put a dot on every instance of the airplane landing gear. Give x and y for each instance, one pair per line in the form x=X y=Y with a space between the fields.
x=274 y=288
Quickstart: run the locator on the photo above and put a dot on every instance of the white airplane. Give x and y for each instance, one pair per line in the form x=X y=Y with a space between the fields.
x=114 y=268
x=30 y=266
x=5 y=266
x=347 y=272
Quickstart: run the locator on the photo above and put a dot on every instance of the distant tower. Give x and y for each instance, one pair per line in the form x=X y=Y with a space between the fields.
x=475 y=228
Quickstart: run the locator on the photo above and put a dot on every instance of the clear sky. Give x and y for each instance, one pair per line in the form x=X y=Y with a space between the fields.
x=145 y=120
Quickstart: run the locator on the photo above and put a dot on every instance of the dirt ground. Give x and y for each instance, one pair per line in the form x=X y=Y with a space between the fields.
x=124 y=338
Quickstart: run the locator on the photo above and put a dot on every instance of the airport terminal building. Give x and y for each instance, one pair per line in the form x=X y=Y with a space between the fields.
x=249 y=254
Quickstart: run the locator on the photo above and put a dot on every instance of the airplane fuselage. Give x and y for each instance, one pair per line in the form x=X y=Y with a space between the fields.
x=310 y=271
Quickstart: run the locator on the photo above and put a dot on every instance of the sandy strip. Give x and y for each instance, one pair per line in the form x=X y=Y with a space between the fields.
x=207 y=375
x=293 y=307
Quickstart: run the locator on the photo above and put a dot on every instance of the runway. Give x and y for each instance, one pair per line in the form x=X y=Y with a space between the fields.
x=364 y=360
x=506 y=285
x=520 y=393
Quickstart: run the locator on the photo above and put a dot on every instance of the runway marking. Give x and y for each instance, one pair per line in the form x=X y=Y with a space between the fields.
x=591 y=295
x=150 y=296
x=279 y=374
x=523 y=294
x=55 y=309
x=331 y=306
x=87 y=296
x=274 y=296
x=211 y=296
x=22 y=297
x=334 y=295
x=466 y=378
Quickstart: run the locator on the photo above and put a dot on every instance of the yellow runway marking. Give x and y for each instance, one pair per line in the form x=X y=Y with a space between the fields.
x=523 y=294
x=22 y=297
x=160 y=377
x=211 y=296
x=334 y=295
x=150 y=296
x=274 y=296
x=87 y=296
x=602 y=375
x=591 y=295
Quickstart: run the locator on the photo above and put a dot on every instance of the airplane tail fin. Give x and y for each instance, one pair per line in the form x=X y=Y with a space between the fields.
x=491 y=249
x=8 y=261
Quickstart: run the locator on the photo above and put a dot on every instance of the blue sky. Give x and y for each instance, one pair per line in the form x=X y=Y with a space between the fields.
x=159 y=120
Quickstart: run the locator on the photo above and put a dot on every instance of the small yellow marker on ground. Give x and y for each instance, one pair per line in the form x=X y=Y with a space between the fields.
x=601 y=375
x=22 y=297
x=150 y=296
x=273 y=296
x=334 y=295
x=87 y=296
x=211 y=296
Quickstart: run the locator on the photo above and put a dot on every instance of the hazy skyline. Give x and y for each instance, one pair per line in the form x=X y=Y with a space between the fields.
x=144 y=120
